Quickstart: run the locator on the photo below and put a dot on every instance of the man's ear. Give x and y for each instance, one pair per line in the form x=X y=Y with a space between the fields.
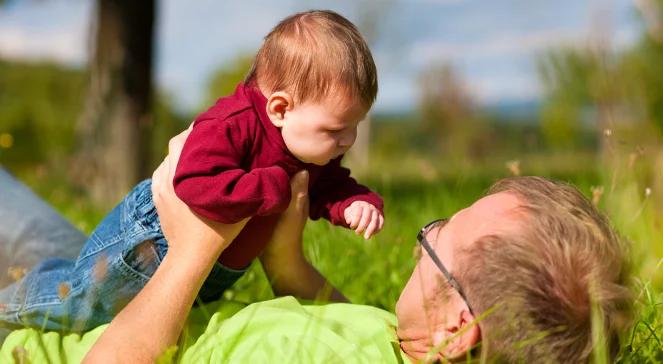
x=460 y=336
x=278 y=104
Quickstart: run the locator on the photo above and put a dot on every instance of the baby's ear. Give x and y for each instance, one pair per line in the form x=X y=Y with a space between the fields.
x=278 y=104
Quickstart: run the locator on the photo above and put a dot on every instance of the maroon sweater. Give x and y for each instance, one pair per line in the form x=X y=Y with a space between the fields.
x=235 y=165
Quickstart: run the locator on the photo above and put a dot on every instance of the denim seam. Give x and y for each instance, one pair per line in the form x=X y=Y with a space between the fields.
x=127 y=270
x=100 y=246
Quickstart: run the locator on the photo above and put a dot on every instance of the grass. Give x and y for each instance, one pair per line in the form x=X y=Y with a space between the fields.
x=374 y=272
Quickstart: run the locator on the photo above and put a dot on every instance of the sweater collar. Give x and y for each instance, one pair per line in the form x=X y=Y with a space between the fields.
x=259 y=102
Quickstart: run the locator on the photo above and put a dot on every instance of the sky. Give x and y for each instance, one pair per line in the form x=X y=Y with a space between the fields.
x=492 y=44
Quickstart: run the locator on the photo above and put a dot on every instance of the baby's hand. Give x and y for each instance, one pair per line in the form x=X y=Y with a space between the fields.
x=365 y=218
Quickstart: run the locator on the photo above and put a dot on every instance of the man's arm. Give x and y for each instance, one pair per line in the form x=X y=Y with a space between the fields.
x=283 y=259
x=153 y=320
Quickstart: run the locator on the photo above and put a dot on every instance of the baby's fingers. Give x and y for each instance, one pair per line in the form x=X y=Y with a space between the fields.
x=365 y=220
x=352 y=217
x=372 y=226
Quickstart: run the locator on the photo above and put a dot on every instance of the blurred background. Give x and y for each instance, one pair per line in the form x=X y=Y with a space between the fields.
x=470 y=91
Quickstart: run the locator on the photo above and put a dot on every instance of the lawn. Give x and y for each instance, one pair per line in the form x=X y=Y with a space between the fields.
x=374 y=272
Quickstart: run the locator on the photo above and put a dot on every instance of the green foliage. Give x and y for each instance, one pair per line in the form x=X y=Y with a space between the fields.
x=224 y=80
x=642 y=67
x=560 y=124
x=566 y=75
x=39 y=106
x=449 y=120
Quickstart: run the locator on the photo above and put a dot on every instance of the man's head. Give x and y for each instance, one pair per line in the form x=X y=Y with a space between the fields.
x=320 y=80
x=537 y=263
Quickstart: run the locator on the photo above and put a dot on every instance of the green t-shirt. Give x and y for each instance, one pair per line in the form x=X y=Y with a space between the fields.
x=280 y=331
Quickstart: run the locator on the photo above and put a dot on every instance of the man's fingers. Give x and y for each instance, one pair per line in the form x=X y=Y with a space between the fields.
x=158 y=173
x=176 y=143
x=381 y=224
x=299 y=184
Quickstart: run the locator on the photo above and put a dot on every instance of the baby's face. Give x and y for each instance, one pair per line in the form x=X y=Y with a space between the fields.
x=317 y=132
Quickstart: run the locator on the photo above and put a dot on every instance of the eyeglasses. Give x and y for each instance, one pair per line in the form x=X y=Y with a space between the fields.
x=421 y=239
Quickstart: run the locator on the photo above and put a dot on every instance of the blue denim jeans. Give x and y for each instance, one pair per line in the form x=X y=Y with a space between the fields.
x=114 y=264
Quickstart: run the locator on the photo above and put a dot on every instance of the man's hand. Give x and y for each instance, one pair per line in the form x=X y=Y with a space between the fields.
x=179 y=224
x=283 y=259
x=155 y=317
x=362 y=217
x=163 y=193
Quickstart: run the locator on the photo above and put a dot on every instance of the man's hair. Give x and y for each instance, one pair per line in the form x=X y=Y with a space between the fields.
x=314 y=55
x=549 y=289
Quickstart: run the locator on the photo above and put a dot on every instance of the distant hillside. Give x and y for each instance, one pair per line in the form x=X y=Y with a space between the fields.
x=515 y=110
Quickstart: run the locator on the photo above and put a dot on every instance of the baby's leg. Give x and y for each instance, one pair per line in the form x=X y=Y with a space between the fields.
x=31 y=230
x=115 y=263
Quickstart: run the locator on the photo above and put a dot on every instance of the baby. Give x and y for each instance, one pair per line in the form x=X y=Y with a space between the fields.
x=312 y=82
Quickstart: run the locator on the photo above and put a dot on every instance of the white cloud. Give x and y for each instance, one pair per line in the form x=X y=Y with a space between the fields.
x=500 y=45
x=55 y=30
x=67 y=46
x=493 y=89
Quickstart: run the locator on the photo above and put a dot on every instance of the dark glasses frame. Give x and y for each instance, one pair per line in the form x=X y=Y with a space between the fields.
x=421 y=239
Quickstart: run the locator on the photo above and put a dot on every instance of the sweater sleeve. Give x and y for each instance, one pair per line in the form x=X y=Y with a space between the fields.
x=210 y=179
x=335 y=190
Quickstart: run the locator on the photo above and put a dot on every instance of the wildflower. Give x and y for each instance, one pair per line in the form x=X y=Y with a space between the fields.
x=607 y=132
x=513 y=167
x=631 y=160
x=16 y=273
x=6 y=140
x=633 y=156
x=63 y=290
x=647 y=192
x=597 y=192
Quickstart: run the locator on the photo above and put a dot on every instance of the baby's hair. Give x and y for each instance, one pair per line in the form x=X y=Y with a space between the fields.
x=314 y=55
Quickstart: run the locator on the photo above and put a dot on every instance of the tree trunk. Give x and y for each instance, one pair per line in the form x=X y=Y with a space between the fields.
x=113 y=129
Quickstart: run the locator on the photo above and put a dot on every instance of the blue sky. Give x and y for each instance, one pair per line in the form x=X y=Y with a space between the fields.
x=492 y=43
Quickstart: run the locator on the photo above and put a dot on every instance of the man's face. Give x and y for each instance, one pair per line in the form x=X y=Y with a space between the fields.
x=317 y=132
x=429 y=310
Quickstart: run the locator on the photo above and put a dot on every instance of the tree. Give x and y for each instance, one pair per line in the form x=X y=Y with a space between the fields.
x=447 y=110
x=370 y=14
x=113 y=129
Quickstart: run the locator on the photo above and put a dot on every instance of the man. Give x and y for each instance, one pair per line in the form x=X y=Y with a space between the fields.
x=524 y=270
x=521 y=271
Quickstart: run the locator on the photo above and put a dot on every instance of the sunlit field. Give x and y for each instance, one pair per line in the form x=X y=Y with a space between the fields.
x=374 y=272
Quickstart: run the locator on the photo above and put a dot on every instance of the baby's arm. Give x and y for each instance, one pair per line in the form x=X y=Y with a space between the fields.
x=212 y=181
x=339 y=198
